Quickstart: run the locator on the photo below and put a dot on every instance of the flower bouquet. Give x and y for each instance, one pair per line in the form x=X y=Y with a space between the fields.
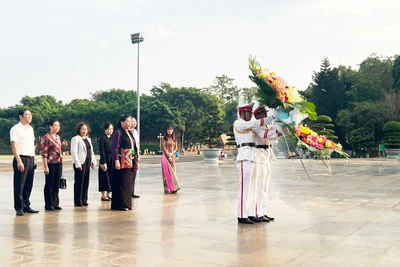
x=276 y=93
x=291 y=108
x=315 y=142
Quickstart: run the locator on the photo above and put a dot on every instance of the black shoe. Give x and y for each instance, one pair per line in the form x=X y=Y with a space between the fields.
x=20 y=213
x=254 y=219
x=263 y=219
x=29 y=210
x=57 y=208
x=78 y=205
x=269 y=218
x=85 y=204
x=49 y=208
x=124 y=209
x=245 y=220
x=105 y=199
x=135 y=196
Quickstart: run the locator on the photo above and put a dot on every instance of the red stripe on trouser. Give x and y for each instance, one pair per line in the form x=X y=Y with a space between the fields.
x=241 y=197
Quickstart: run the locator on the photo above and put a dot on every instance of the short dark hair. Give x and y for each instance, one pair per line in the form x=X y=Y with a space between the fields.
x=51 y=122
x=79 y=126
x=106 y=126
x=21 y=112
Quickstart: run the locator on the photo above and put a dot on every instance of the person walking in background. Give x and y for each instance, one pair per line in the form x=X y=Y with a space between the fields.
x=23 y=147
x=123 y=143
x=106 y=163
x=52 y=165
x=136 y=155
x=168 y=167
x=83 y=159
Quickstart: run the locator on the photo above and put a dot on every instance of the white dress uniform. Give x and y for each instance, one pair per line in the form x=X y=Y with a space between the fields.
x=244 y=136
x=263 y=157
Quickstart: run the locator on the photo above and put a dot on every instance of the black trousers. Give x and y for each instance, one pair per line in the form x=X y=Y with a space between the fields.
x=81 y=185
x=23 y=182
x=52 y=185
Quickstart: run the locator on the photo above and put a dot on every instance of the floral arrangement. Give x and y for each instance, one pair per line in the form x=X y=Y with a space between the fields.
x=277 y=93
x=291 y=108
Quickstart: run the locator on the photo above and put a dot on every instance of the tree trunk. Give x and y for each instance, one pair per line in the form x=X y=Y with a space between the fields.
x=182 y=139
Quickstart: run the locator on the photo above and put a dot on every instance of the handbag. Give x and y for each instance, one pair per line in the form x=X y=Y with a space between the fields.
x=126 y=159
x=63 y=183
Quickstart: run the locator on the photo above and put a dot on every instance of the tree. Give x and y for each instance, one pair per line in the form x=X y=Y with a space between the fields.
x=391 y=102
x=378 y=71
x=214 y=121
x=361 y=138
x=328 y=93
x=191 y=106
x=223 y=86
x=249 y=93
x=367 y=118
x=117 y=96
x=396 y=73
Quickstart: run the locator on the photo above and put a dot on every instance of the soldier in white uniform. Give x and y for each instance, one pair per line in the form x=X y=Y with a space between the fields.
x=244 y=136
x=263 y=156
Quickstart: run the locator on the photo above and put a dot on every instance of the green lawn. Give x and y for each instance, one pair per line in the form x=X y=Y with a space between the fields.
x=5 y=157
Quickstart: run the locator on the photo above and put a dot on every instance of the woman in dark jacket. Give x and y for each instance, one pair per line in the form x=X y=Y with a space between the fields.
x=106 y=163
x=123 y=149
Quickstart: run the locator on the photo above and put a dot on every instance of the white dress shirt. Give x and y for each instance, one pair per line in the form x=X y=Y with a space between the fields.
x=25 y=138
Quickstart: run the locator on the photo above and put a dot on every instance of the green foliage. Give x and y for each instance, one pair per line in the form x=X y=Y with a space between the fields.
x=223 y=86
x=115 y=96
x=150 y=146
x=328 y=92
x=396 y=73
x=361 y=138
x=323 y=126
x=324 y=119
x=392 y=134
x=249 y=93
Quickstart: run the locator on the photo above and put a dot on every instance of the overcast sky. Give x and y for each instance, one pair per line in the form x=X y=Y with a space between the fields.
x=71 y=48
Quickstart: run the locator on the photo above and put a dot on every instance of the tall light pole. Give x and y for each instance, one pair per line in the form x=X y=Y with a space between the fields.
x=137 y=38
x=160 y=136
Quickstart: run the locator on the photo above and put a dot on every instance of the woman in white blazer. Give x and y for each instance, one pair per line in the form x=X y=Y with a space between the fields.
x=83 y=159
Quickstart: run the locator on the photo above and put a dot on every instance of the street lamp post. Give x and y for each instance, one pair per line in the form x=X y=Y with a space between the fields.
x=137 y=38
x=160 y=136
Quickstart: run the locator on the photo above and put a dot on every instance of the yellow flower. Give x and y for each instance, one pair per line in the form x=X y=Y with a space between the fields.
x=304 y=130
x=328 y=144
x=339 y=146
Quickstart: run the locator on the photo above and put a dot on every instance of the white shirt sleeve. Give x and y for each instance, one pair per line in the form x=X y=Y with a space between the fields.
x=13 y=135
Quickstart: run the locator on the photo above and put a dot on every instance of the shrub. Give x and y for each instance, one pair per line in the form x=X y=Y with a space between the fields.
x=392 y=134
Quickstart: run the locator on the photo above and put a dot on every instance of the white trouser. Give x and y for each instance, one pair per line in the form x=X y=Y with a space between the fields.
x=244 y=194
x=261 y=177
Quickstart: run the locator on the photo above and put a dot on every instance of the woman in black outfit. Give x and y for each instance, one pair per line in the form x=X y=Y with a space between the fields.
x=122 y=141
x=106 y=163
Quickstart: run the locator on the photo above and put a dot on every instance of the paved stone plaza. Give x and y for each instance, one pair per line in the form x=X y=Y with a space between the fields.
x=345 y=215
